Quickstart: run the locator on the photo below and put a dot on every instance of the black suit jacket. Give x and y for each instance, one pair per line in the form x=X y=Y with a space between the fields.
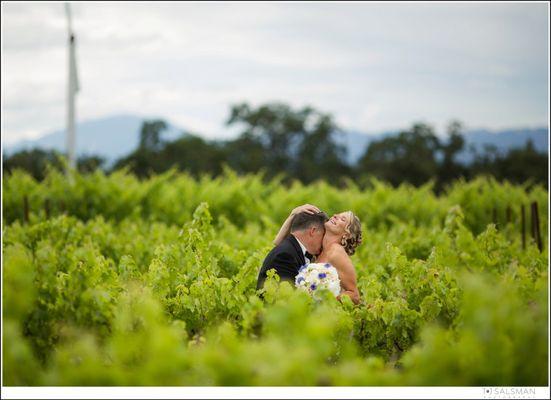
x=286 y=258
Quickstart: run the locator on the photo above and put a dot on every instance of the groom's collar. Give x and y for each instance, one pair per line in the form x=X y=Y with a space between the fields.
x=303 y=248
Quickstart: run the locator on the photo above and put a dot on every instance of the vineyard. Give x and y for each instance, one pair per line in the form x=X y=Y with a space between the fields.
x=109 y=280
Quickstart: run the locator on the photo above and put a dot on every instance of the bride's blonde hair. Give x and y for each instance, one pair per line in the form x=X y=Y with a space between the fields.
x=354 y=237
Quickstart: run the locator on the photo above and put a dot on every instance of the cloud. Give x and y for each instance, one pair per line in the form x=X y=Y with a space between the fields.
x=373 y=66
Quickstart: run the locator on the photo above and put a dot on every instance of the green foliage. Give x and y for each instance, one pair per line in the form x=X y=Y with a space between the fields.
x=37 y=162
x=302 y=144
x=410 y=156
x=498 y=341
x=418 y=156
x=153 y=283
x=518 y=165
x=299 y=143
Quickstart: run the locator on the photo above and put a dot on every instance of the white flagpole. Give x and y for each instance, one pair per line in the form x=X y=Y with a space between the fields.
x=72 y=89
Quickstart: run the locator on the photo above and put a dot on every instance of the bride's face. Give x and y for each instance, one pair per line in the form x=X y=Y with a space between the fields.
x=338 y=222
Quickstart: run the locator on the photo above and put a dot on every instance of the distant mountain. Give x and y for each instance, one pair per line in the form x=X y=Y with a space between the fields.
x=116 y=136
x=111 y=137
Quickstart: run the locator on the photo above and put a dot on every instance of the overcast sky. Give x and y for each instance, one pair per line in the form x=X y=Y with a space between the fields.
x=373 y=66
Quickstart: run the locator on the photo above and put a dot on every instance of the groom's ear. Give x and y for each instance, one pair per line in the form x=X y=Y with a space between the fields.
x=317 y=228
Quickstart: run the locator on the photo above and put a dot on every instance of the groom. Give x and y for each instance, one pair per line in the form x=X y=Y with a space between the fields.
x=295 y=250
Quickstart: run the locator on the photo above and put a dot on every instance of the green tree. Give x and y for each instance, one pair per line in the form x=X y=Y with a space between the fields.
x=193 y=154
x=145 y=160
x=450 y=168
x=299 y=143
x=150 y=135
x=319 y=156
x=518 y=165
x=275 y=127
x=35 y=162
x=89 y=163
x=410 y=156
x=244 y=154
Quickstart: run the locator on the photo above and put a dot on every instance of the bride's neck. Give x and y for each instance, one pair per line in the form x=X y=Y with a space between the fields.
x=329 y=239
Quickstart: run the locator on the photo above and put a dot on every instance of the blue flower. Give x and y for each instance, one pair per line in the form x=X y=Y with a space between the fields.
x=300 y=279
x=322 y=275
x=313 y=286
x=303 y=267
x=327 y=265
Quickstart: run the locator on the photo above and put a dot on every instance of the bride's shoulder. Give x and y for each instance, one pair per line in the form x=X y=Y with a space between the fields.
x=338 y=258
x=336 y=251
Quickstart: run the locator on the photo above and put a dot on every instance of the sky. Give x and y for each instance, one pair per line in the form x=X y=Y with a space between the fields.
x=374 y=67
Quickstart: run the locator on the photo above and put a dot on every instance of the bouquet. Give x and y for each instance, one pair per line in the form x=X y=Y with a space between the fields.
x=316 y=276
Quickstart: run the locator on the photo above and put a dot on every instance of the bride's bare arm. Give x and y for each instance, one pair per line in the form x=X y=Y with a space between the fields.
x=284 y=230
x=347 y=274
x=286 y=227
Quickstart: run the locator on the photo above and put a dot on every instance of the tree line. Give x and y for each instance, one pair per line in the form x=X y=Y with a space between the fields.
x=302 y=144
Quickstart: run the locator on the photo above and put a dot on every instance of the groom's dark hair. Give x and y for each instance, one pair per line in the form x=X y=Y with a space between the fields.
x=305 y=220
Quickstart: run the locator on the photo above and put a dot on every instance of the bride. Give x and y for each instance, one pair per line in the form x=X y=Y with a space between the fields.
x=343 y=234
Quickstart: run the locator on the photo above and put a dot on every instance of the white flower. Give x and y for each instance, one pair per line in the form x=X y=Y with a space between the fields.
x=318 y=276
